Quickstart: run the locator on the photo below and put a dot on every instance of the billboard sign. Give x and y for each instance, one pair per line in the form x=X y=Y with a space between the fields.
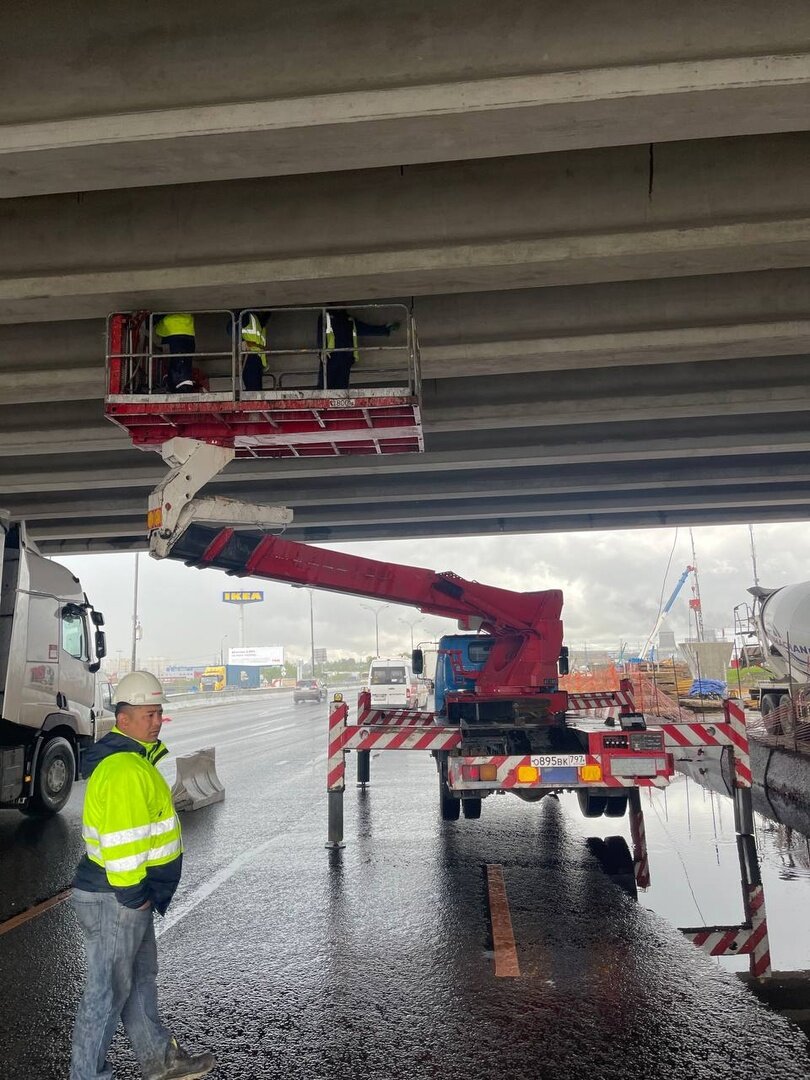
x=242 y=596
x=258 y=655
x=320 y=656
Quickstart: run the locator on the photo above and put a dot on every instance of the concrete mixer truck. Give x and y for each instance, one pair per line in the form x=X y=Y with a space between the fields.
x=779 y=640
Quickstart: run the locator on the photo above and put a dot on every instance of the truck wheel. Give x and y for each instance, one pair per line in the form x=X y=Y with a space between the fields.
x=471 y=808
x=449 y=807
x=591 y=804
x=616 y=806
x=767 y=707
x=54 y=778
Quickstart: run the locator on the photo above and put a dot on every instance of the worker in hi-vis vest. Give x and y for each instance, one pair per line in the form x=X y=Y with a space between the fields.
x=253 y=334
x=338 y=345
x=131 y=868
x=176 y=331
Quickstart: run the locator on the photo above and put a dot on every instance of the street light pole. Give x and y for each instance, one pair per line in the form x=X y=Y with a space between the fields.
x=222 y=649
x=311 y=633
x=311 y=627
x=411 y=623
x=135 y=626
x=375 y=611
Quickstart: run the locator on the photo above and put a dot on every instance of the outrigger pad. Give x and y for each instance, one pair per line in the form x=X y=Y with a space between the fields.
x=197 y=783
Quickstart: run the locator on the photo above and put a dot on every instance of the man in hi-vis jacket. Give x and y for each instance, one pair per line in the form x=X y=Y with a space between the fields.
x=131 y=868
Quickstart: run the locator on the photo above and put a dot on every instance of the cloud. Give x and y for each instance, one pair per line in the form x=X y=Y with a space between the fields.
x=612 y=584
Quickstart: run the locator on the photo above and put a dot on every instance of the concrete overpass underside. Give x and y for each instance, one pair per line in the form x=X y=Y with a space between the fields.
x=600 y=218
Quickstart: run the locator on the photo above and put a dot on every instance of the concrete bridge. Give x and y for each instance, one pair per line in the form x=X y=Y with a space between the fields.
x=599 y=214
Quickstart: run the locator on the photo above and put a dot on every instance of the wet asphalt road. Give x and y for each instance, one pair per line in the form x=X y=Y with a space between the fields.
x=287 y=960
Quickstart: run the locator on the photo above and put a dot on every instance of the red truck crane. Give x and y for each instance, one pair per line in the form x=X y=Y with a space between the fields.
x=501 y=722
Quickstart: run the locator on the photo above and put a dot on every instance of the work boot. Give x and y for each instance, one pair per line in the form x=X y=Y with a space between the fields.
x=182 y=1066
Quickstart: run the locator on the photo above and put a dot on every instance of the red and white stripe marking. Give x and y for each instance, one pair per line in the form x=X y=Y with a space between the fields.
x=751 y=939
x=603 y=699
x=400 y=738
x=729 y=732
x=336 y=759
x=638 y=834
x=397 y=718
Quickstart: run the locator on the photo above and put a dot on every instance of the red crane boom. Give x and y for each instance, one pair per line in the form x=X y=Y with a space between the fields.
x=526 y=626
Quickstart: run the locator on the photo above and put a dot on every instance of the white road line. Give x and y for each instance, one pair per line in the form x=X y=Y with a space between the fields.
x=202 y=892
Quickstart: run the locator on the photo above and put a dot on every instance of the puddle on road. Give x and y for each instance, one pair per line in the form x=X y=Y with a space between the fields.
x=695 y=870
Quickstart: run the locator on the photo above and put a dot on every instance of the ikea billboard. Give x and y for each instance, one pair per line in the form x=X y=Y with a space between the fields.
x=242 y=596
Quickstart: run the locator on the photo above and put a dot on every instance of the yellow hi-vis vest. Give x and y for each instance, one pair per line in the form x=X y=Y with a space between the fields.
x=129 y=821
x=254 y=336
x=330 y=337
x=176 y=322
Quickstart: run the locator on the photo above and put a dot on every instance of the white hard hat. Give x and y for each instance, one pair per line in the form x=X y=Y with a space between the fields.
x=139 y=688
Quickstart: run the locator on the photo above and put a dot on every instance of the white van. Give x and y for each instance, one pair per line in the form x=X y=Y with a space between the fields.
x=392 y=684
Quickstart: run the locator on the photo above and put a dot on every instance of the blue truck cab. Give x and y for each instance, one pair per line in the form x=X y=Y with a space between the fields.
x=457 y=654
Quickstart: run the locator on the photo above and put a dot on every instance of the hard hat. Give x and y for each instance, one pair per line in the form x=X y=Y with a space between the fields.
x=139 y=688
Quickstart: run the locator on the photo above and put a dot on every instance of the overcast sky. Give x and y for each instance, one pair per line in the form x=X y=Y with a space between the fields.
x=612 y=584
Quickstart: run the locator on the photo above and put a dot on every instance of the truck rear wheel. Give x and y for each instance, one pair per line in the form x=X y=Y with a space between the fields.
x=449 y=807
x=471 y=808
x=616 y=806
x=53 y=781
x=590 y=803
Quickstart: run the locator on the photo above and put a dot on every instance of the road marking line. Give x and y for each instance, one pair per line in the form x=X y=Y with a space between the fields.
x=33 y=912
x=503 y=938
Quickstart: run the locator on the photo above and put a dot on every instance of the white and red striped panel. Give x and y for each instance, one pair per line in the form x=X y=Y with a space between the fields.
x=396 y=718
x=601 y=699
x=401 y=738
x=750 y=940
x=336 y=759
x=638 y=834
x=730 y=732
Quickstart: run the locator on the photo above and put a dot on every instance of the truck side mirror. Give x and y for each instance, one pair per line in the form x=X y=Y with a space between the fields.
x=417 y=661
x=101 y=644
x=562 y=663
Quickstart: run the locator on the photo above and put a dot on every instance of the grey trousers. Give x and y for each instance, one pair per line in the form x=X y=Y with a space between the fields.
x=121 y=972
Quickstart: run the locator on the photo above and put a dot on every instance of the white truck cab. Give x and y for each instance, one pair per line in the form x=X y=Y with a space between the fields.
x=52 y=703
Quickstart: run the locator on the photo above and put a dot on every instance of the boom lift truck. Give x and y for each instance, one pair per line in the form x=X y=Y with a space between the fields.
x=501 y=723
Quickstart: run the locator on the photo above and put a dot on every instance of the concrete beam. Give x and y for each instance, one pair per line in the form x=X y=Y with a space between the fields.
x=706 y=207
x=423 y=84
x=125 y=535
x=783 y=476
x=727 y=388
x=628 y=324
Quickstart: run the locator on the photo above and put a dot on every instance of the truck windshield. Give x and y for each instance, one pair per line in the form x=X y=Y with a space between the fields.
x=387 y=676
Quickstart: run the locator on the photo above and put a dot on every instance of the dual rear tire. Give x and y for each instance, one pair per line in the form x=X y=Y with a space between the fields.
x=594 y=804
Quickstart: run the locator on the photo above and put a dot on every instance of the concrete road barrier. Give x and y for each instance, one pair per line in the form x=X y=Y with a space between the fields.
x=197 y=783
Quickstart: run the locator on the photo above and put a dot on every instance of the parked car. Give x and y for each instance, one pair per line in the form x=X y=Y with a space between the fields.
x=308 y=690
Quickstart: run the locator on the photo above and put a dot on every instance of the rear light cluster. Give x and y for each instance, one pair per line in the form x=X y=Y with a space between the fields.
x=526 y=774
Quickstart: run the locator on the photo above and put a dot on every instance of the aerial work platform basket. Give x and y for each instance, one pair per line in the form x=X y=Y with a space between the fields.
x=379 y=413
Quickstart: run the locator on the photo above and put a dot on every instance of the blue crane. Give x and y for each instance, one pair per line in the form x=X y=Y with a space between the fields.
x=666 y=608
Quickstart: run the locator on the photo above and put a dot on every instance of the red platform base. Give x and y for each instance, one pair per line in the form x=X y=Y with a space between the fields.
x=277 y=424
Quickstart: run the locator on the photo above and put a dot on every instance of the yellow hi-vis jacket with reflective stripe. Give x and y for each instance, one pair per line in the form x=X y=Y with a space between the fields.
x=254 y=336
x=330 y=337
x=175 y=322
x=130 y=828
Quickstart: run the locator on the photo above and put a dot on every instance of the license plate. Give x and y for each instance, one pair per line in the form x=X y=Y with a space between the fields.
x=554 y=761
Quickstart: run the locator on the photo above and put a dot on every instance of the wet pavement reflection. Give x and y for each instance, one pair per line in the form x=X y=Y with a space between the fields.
x=377 y=960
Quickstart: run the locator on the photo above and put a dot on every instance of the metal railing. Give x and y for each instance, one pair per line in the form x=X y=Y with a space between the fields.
x=138 y=367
